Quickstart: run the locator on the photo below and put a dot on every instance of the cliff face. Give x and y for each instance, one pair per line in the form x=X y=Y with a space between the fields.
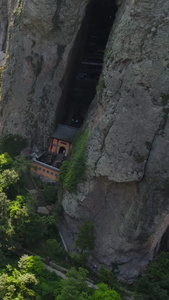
x=3 y=23
x=6 y=11
x=42 y=36
x=126 y=189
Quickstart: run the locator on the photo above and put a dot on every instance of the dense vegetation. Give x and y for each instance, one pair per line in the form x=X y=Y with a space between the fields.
x=73 y=169
x=12 y=144
x=21 y=227
x=154 y=284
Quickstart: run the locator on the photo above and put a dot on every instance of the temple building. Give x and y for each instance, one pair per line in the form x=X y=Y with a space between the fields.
x=61 y=141
x=49 y=163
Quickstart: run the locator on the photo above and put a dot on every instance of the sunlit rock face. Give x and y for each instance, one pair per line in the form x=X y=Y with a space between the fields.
x=126 y=192
x=42 y=36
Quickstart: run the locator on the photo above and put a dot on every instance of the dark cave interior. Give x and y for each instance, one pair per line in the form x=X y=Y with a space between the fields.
x=86 y=63
x=164 y=243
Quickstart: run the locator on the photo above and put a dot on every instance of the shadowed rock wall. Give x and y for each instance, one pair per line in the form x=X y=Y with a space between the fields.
x=3 y=23
x=41 y=38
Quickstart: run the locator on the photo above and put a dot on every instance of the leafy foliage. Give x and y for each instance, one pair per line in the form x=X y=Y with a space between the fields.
x=108 y=278
x=12 y=144
x=154 y=284
x=8 y=178
x=73 y=170
x=80 y=259
x=5 y=161
x=50 y=193
x=105 y=293
x=21 y=165
x=16 y=285
x=19 y=220
x=31 y=264
x=21 y=226
x=85 y=239
x=29 y=281
x=55 y=250
x=75 y=287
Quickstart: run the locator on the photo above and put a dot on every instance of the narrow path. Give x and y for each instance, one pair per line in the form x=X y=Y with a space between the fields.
x=56 y=271
x=59 y=270
x=89 y=283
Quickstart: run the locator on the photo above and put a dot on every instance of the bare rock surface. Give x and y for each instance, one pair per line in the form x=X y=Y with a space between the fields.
x=2 y=58
x=41 y=37
x=126 y=192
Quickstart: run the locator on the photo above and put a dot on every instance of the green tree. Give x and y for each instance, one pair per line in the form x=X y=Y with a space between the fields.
x=21 y=224
x=31 y=264
x=12 y=144
x=5 y=161
x=80 y=259
x=17 y=222
x=50 y=193
x=29 y=281
x=8 y=178
x=17 y=286
x=73 y=170
x=85 y=239
x=108 y=278
x=154 y=284
x=21 y=165
x=105 y=293
x=75 y=287
x=4 y=203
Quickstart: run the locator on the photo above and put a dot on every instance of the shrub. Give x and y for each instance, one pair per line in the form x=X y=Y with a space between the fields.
x=13 y=144
x=108 y=278
x=5 y=161
x=85 y=239
x=50 y=193
x=104 y=293
x=53 y=247
x=73 y=170
x=80 y=259
x=154 y=284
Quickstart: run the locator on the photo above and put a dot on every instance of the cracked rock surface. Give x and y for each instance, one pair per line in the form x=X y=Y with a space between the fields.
x=126 y=192
x=40 y=50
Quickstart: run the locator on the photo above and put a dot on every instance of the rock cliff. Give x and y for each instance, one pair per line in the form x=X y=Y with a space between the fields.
x=41 y=47
x=126 y=191
x=3 y=23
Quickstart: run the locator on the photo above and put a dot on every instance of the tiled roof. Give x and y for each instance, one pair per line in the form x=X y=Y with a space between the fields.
x=65 y=133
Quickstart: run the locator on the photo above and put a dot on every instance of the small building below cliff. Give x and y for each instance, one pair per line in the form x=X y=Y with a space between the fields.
x=48 y=164
x=61 y=141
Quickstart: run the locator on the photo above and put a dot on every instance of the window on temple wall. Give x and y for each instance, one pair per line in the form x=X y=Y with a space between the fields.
x=62 y=150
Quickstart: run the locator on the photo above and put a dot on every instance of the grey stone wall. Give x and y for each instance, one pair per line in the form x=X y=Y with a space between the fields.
x=126 y=190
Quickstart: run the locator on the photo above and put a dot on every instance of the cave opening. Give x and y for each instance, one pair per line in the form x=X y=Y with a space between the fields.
x=86 y=62
x=164 y=243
